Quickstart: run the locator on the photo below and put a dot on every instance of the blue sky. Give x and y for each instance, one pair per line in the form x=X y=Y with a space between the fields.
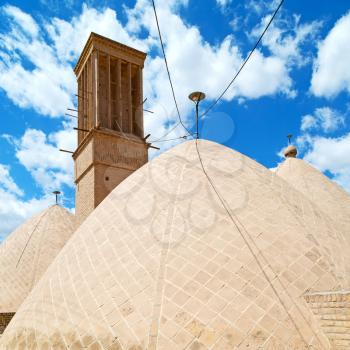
x=297 y=82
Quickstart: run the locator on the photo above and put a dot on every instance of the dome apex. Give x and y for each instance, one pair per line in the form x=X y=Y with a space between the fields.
x=291 y=151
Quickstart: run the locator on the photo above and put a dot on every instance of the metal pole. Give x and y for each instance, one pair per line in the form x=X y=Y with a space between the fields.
x=56 y=193
x=196 y=97
x=197 y=119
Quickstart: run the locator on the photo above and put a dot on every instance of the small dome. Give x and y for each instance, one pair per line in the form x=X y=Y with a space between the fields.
x=323 y=192
x=28 y=251
x=290 y=151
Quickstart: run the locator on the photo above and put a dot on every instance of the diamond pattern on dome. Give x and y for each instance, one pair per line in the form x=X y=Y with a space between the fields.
x=28 y=251
x=159 y=264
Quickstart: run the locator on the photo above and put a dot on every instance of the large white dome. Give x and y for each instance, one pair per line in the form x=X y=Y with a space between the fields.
x=160 y=264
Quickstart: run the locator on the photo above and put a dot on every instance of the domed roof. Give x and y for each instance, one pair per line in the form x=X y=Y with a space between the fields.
x=28 y=251
x=161 y=264
x=323 y=192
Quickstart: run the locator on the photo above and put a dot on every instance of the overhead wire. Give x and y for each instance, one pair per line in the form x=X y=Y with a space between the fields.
x=30 y=237
x=167 y=69
x=227 y=87
x=245 y=239
x=168 y=132
x=173 y=139
x=223 y=203
x=236 y=222
x=244 y=62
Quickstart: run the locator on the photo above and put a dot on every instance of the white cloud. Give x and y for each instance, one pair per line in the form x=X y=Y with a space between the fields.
x=24 y=20
x=286 y=38
x=331 y=73
x=308 y=122
x=13 y=208
x=38 y=57
x=236 y=23
x=223 y=3
x=197 y=65
x=332 y=155
x=49 y=86
x=6 y=181
x=69 y=37
x=324 y=118
x=38 y=89
x=51 y=169
x=261 y=6
x=40 y=155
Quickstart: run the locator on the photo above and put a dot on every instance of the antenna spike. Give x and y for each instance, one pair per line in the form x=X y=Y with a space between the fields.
x=56 y=193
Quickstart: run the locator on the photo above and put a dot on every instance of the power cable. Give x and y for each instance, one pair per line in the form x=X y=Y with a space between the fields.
x=244 y=62
x=167 y=68
x=176 y=138
x=204 y=170
x=30 y=237
x=228 y=86
x=223 y=202
x=250 y=248
x=168 y=132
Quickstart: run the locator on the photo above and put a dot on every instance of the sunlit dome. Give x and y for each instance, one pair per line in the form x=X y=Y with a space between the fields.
x=28 y=251
x=160 y=264
x=323 y=192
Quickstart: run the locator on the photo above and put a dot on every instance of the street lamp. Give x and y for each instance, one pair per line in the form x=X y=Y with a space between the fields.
x=196 y=97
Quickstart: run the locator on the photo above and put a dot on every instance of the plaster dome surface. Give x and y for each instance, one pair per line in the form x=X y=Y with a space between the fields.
x=160 y=264
x=28 y=251
x=324 y=193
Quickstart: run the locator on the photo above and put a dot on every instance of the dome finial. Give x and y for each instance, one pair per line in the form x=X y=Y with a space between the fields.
x=56 y=193
x=291 y=151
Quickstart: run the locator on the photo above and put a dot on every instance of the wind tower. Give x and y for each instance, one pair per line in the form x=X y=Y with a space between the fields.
x=111 y=142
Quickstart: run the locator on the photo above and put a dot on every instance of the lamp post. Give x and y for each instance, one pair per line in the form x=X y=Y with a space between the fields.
x=196 y=97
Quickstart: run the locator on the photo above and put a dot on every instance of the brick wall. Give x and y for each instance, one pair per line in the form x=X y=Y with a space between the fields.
x=333 y=311
x=106 y=179
x=102 y=162
x=85 y=195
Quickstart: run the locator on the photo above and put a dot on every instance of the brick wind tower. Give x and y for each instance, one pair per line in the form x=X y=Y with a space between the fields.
x=111 y=142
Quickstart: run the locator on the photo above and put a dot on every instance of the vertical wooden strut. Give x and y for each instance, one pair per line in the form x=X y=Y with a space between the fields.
x=109 y=91
x=139 y=107
x=129 y=88
x=141 y=101
x=119 y=90
x=96 y=89
x=80 y=106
